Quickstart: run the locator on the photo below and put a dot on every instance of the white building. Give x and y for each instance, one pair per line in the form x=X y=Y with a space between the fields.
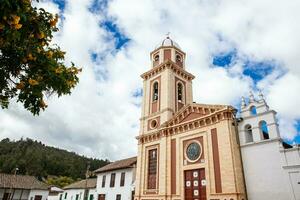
x=20 y=187
x=55 y=193
x=79 y=190
x=271 y=167
x=115 y=181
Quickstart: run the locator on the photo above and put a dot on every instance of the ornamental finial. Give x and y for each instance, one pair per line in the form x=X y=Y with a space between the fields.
x=261 y=95
x=243 y=103
x=251 y=97
x=168 y=34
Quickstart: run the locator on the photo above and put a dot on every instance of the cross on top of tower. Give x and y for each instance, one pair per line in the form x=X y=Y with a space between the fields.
x=168 y=35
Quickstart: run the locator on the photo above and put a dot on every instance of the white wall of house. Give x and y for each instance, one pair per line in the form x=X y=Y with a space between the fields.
x=54 y=197
x=55 y=193
x=290 y=159
x=111 y=192
x=70 y=194
x=17 y=193
x=264 y=175
x=43 y=193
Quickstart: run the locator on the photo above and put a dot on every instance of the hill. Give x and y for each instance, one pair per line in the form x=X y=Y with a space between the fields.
x=34 y=158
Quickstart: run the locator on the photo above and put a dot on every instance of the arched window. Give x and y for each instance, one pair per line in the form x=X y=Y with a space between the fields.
x=248 y=134
x=155 y=60
x=263 y=128
x=253 y=110
x=179 y=92
x=155 y=91
x=178 y=60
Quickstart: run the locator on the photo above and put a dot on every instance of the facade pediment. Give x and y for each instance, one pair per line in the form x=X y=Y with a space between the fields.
x=168 y=64
x=193 y=111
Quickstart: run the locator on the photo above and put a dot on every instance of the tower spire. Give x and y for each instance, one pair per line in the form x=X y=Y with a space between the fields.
x=243 y=103
x=251 y=96
x=261 y=95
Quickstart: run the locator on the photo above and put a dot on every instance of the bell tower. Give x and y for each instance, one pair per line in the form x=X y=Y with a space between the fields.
x=167 y=85
x=186 y=150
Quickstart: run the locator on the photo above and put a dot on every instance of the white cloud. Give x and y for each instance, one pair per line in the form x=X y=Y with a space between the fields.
x=101 y=119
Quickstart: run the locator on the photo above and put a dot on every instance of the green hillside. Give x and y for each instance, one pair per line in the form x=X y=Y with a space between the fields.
x=34 y=158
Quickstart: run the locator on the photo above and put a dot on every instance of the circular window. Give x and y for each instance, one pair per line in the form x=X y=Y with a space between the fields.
x=153 y=124
x=193 y=151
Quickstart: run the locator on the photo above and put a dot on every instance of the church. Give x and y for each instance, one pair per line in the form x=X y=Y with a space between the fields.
x=186 y=150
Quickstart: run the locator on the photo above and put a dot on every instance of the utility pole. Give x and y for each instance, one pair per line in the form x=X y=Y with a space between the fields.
x=86 y=179
x=11 y=195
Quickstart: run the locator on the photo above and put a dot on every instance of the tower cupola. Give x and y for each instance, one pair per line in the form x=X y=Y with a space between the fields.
x=168 y=49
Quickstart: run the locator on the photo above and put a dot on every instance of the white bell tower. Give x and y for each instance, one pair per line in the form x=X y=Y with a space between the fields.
x=258 y=121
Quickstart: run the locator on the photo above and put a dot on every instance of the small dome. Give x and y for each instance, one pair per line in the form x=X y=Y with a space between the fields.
x=167 y=42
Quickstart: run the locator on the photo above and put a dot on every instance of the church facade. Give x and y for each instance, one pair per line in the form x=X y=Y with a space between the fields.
x=185 y=150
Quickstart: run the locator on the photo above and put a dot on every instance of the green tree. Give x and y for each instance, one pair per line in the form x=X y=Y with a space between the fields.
x=60 y=181
x=31 y=67
x=34 y=158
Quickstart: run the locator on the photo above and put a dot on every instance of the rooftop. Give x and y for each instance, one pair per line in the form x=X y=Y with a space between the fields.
x=120 y=164
x=89 y=183
x=21 y=182
x=167 y=42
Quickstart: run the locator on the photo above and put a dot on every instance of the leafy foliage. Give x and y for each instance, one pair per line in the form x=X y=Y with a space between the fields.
x=30 y=66
x=34 y=158
x=60 y=181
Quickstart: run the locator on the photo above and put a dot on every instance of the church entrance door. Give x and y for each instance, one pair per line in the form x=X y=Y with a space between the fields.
x=195 y=184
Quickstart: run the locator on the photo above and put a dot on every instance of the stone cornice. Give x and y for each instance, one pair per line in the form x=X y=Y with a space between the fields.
x=168 y=65
x=203 y=109
x=157 y=113
x=227 y=113
x=167 y=47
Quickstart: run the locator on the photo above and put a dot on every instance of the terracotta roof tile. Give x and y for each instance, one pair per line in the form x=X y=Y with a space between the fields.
x=89 y=183
x=120 y=164
x=21 y=182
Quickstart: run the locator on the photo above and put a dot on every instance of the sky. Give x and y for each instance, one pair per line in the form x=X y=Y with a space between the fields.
x=232 y=47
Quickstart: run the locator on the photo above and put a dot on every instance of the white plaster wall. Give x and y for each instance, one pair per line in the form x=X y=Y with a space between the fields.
x=17 y=193
x=71 y=194
x=94 y=193
x=54 y=197
x=290 y=159
x=111 y=192
x=43 y=193
x=264 y=176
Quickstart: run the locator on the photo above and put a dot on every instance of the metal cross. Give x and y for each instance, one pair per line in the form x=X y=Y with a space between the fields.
x=168 y=34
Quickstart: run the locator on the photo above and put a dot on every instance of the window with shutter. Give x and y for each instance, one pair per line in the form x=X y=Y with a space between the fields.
x=122 y=181
x=112 y=179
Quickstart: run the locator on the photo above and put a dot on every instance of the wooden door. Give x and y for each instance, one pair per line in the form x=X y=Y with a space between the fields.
x=101 y=197
x=38 y=197
x=195 y=184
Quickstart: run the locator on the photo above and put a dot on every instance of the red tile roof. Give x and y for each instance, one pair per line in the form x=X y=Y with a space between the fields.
x=89 y=183
x=120 y=164
x=21 y=182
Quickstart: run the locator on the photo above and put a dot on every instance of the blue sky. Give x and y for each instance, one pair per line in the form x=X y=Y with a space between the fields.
x=256 y=70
